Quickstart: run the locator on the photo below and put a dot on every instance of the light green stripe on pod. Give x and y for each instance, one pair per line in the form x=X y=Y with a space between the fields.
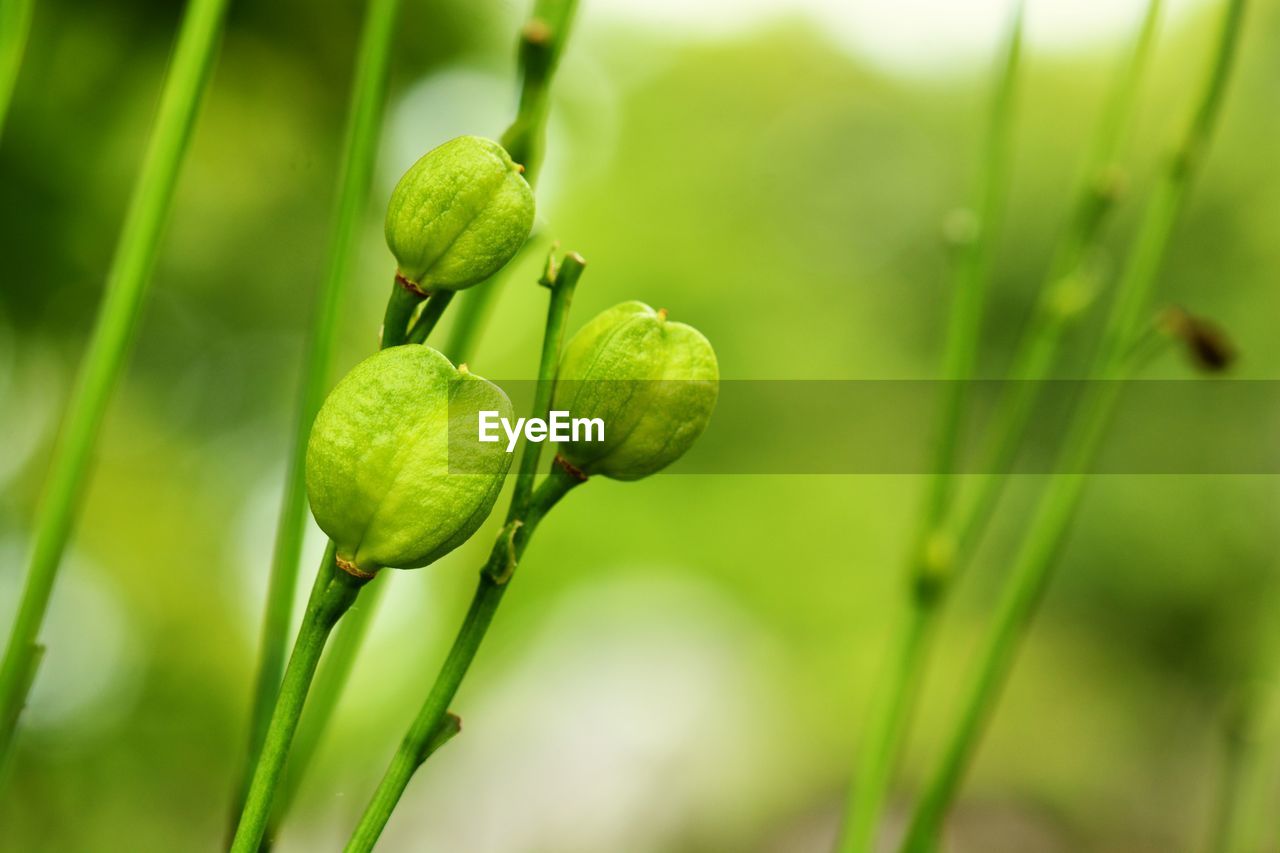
x=459 y=214
x=395 y=475
x=653 y=382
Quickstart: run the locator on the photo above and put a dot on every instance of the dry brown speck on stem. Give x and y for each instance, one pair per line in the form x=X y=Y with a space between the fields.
x=411 y=286
x=1208 y=345
x=536 y=31
x=352 y=569
x=569 y=468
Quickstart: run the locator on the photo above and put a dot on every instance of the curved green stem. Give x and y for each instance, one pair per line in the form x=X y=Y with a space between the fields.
x=434 y=725
x=15 y=26
x=333 y=594
x=401 y=305
x=430 y=316
x=476 y=305
x=364 y=124
x=326 y=690
x=548 y=27
x=890 y=715
x=542 y=43
x=526 y=511
x=337 y=665
x=1051 y=521
x=113 y=332
x=562 y=282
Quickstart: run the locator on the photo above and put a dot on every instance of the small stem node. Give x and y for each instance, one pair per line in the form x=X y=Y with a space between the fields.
x=503 y=563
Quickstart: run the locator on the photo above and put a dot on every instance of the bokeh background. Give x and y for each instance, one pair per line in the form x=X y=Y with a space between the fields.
x=684 y=663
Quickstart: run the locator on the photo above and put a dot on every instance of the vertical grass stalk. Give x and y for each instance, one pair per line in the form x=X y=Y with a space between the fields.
x=15 y=27
x=364 y=125
x=882 y=741
x=1064 y=295
x=1049 y=526
x=433 y=723
x=113 y=332
x=542 y=43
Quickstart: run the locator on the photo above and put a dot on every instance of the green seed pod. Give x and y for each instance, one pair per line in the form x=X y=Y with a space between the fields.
x=385 y=456
x=458 y=215
x=652 y=382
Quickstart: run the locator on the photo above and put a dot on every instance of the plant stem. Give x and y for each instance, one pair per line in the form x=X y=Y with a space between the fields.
x=1049 y=526
x=548 y=28
x=1064 y=295
x=431 y=314
x=331 y=679
x=337 y=665
x=331 y=596
x=542 y=42
x=526 y=511
x=562 y=282
x=476 y=305
x=401 y=305
x=973 y=271
x=891 y=709
x=364 y=124
x=15 y=26
x=433 y=721
x=113 y=332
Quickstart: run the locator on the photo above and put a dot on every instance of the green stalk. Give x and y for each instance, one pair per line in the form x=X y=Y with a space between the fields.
x=542 y=42
x=889 y=715
x=431 y=314
x=364 y=125
x=433 y=720
x=401 y=305
x=1063 y=296
x=469 y=319
x=527 y=509
x=15 y=26
x=332 y=677
x=1065 y=293
x=113 y=332
x=330 y=681
x=332 y=595
x=944 y=547
x=1049 y=526
x=561 y=281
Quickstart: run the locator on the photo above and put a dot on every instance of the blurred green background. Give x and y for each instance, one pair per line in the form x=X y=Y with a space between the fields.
x=685 y=662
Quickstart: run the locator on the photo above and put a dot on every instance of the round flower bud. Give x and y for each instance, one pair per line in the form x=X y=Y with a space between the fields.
x=651 y=381
x=458 y=215
x=395 y=474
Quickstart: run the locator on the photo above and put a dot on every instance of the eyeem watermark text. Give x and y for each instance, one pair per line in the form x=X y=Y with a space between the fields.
x=558 y=426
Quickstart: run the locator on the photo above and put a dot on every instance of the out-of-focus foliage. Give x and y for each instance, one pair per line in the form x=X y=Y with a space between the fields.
x=683 y=662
